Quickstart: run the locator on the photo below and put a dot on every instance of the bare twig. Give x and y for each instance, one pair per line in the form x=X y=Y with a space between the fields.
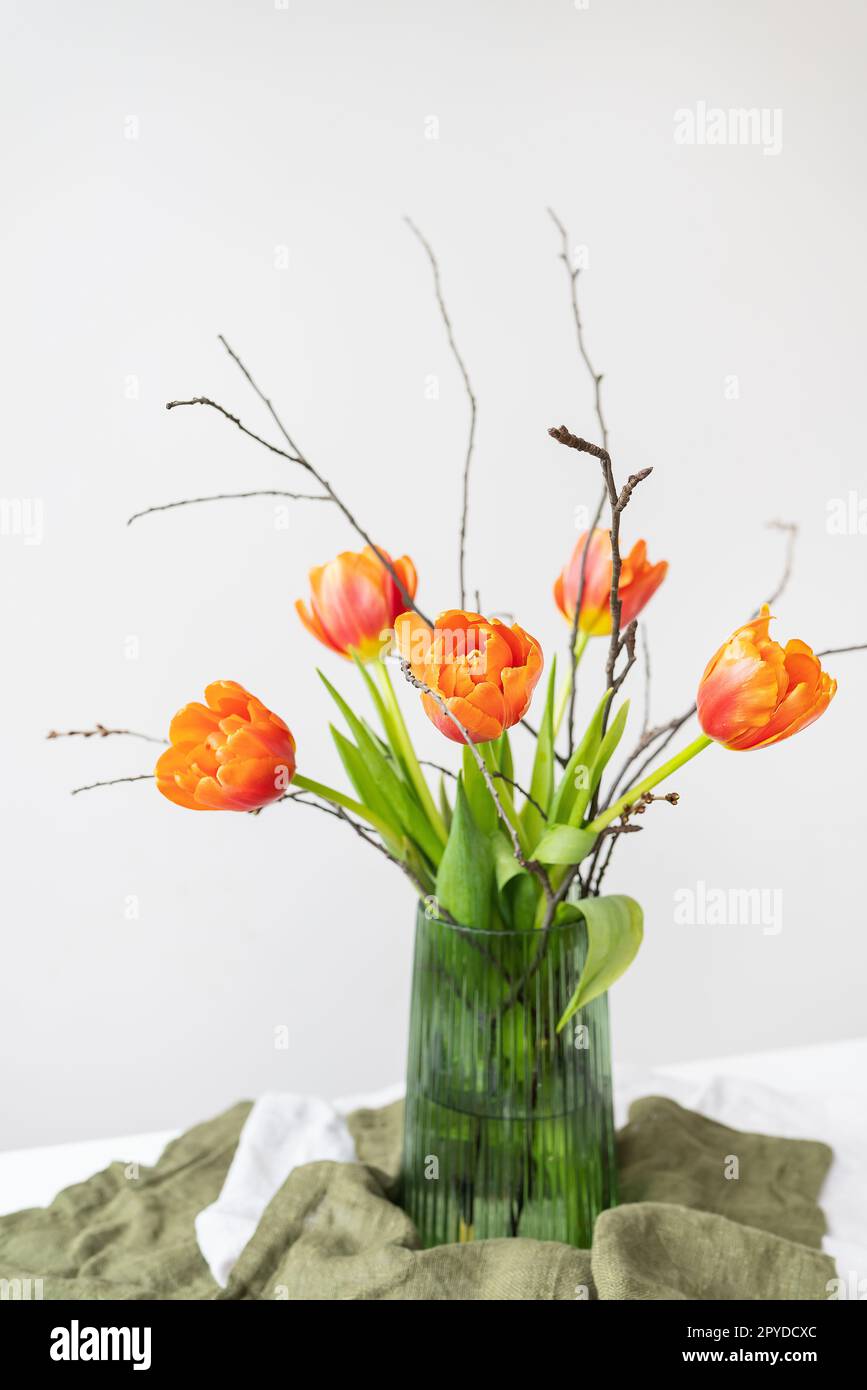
x=115 y=781
x=627 y=642
x=839 y=651
x=297 y=457
x=304 y=799
x=596 y=377
x=230 y=497
x=573 y=273
x=666 y=732
x=790 y=530
x=518 y=788
x=296 y=449
x=625 y=827
x=576 y=619
x=227 y=414
x=448 y=772
x=645 y=647
x=437 y=767
x=100 y=731
x=470 y=396
x=618 y=503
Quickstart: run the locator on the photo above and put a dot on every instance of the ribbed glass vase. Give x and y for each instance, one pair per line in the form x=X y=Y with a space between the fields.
x=509 y=1127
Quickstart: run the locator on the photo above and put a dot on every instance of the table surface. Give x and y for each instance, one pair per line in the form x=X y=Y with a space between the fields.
x=815 y=1092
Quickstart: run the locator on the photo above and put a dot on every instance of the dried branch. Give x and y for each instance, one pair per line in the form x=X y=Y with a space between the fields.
x=298 y=457
x=100 y=731
x=518 y=788
x=448 y=772
x=470 y=395
x=596 y=377
x=230 y=497
x=618 y=503
x=115 y=781
x=438 y=767
x=839 y=651
x=262 y=397
x=573 y=274
x=645 y=648
x=665 y=731
x=625 y=827
x=790 y=529
x=627 y=642
x=304 y=799
x=227 y=414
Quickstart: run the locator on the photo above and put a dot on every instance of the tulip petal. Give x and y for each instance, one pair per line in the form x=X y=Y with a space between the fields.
x=314 y=626
x=755 y=693
x=413 y=639
x=233 y=755
x=355 y=600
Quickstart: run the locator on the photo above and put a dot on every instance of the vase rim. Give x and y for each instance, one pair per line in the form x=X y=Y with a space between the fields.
x=502 y=934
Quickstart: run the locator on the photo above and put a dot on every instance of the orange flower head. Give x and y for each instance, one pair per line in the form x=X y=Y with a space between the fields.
x=639 y=581
x=231 y=754
x=755 y=692
x=354 y=602
x=484 y=671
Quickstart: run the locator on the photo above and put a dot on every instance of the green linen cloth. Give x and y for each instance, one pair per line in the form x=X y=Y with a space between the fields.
x=687 y=1226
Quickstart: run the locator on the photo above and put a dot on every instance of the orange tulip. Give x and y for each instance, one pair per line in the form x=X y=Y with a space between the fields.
x=484 y=671
x=639 y=581
x=755 y=692
x=231 y=754
x=354 y=602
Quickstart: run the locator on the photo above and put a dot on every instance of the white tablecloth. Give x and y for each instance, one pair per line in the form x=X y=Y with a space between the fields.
x=817 y=1092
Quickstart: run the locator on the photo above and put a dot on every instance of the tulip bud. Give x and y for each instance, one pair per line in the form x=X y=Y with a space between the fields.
x=481 y=670
x=354 y=602
x=755 y=692
x=231 y=754
x=639 y=581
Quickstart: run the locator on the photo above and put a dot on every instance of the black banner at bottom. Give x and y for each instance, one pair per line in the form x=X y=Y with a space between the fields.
x=67 y=1338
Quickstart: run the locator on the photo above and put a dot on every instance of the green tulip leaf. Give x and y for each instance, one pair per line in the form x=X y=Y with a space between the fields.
x=465 y=877
x=481 y=802
x=506 y=866
x=615 y=927
x=604 y=752
x=564 y=844
x=403 y=805
x=445 y=804
x=577 y=772
x=503 y=755
x=542 y=779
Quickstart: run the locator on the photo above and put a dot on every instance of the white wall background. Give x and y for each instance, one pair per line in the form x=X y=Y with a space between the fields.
x=261 y=127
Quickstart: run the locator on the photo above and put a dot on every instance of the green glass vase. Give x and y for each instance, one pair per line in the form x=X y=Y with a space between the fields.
x=509 y=1126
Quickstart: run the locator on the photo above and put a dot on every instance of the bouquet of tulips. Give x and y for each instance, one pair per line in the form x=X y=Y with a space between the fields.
x=483 y=847
x=485 y=844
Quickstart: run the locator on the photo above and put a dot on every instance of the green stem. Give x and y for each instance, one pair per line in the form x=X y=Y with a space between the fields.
x=325 y=793
x=504 y=794
x=652 y=780
x=407 y=752
x=563 y=698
